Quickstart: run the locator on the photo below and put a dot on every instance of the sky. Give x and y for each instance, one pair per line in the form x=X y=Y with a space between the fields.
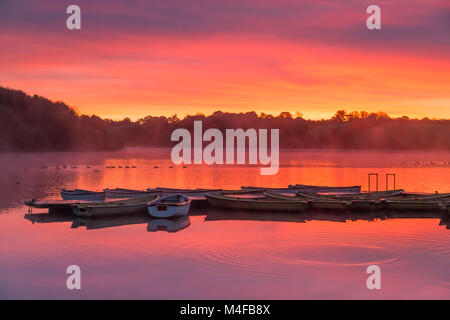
x=164 y=57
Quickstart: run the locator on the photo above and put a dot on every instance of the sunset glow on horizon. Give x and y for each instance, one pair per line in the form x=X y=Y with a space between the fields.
x=164 y=58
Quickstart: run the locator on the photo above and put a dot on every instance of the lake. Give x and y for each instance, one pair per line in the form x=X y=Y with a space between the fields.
x=221 y=254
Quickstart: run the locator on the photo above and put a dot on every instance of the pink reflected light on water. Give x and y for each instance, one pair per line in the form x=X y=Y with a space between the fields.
x=221 y=254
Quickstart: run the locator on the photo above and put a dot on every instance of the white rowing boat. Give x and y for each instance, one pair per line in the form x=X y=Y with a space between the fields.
x=169 y=206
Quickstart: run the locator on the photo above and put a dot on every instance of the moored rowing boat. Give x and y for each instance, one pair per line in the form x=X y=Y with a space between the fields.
x=415 y=205
x=169 y=206
x=358 y=196
x=329 y=189
x=128 y=193
x=113 y=207
x=255 y=203
x=292 y=189
x=366 y=195
x=190 y=193
x=81 y=194
x=331 y=203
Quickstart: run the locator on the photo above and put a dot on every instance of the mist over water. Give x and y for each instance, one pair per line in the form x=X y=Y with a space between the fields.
x=220 y=254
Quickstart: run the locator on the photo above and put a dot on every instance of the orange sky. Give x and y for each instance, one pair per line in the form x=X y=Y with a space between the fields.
x=116 y=68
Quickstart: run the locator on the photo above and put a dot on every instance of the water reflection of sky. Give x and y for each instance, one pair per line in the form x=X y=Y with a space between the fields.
x=219 y=255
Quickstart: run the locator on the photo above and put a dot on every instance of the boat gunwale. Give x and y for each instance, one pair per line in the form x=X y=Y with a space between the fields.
x=250 y=200
x=175 y=190
x=159 y=201
x=83 y=193
x=305 y=187
x=125 y=191
x=117 y=203
x=378 y=195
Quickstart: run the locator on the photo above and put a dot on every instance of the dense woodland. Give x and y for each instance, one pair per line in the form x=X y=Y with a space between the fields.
x=33 y=123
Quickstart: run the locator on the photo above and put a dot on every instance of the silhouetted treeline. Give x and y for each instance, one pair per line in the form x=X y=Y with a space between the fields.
x=38 y=124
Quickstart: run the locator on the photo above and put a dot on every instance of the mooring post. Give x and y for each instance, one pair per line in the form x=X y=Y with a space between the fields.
x=387 y=180
x=376 y=175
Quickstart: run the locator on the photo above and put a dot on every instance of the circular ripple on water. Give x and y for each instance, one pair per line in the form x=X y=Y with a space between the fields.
x=226 y=255
x=284 y=254
x=278 y=257
x=333 y=254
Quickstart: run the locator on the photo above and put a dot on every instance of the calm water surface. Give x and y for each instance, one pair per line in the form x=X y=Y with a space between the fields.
x=221 y=254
